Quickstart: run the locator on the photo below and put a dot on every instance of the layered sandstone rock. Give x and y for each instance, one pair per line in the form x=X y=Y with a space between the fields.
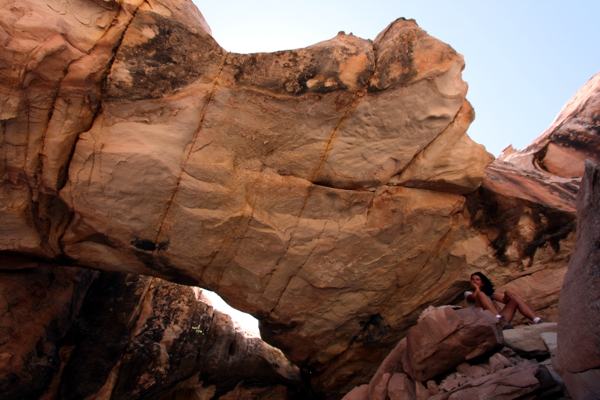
x=330 y=191
x=130 y=337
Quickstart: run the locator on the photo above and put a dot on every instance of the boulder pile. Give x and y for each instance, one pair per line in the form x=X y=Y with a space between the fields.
x=461 y=355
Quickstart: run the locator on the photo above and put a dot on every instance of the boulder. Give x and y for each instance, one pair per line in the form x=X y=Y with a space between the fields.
x=358 y=393
x=449 y=384
x=474 y=371
x=550 y=340
x=527 y=341
x=432 y=387
x=421 y=391
x=401 y=387
x=445 y=338
x=496 y=377
x=390 y=366
x=379 y=390
x=498 y=362
x=583 y=385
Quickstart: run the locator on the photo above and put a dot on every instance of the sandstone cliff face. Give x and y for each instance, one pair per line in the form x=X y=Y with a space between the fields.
x=330 y=191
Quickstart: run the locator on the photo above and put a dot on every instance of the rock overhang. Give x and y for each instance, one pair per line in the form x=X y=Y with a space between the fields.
x=320 y=189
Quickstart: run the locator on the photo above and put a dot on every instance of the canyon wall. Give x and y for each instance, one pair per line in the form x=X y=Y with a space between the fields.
x=331 y=191
x=73 y=333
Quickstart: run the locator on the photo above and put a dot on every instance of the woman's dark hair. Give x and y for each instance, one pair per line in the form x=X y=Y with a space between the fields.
x=488 y=286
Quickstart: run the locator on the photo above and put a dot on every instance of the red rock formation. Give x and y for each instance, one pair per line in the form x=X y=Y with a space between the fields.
x=435 y=348
x=578 y=358
x=37 y=308
x=572 y=138
x=446 y=337
x=133 y=337
x=330 y=191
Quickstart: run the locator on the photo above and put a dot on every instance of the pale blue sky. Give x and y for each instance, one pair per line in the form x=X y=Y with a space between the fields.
x=524 y=59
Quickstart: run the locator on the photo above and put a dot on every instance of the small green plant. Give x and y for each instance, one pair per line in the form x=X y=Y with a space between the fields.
x=198 y=330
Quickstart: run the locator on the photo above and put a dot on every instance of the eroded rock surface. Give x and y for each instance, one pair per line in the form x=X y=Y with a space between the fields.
x=130 y=337
x=528 y=342
x=330 y=191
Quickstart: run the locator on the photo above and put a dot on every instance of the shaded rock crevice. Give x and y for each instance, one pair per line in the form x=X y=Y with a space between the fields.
x=130 y=337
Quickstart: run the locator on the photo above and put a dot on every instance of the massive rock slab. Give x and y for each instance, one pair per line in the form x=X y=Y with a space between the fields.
x=578 y=355
x=317 y=189
x=527 y=341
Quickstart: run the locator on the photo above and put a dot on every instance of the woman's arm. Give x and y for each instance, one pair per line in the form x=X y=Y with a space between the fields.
x=473 y=295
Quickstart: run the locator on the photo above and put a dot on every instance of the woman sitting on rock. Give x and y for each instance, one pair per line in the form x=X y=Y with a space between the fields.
x=483 y=295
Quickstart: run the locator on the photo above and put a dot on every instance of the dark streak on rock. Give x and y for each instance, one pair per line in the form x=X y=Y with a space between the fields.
x=171 y=60
x=499 y=216
x=144 y=244
x=101 y=333
x=289 y=72
x=164 y=268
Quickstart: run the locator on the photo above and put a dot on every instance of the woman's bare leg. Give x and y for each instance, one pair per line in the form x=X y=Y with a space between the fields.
x=515 y=303
x=482 y=301
x=508 y=312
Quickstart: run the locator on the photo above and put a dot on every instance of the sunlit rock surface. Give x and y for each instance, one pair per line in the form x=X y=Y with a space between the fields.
x=330 y=191
x=573 y=136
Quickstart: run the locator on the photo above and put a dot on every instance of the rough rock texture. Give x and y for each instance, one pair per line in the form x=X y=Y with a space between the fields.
x=579 y=305
x=527 y=341
x=445 y=338
x=133 y=337
x=502 y=376
x=358 y=393
x=330 y=191
x=509 y=383
x=37 y=308
x=391 y=365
